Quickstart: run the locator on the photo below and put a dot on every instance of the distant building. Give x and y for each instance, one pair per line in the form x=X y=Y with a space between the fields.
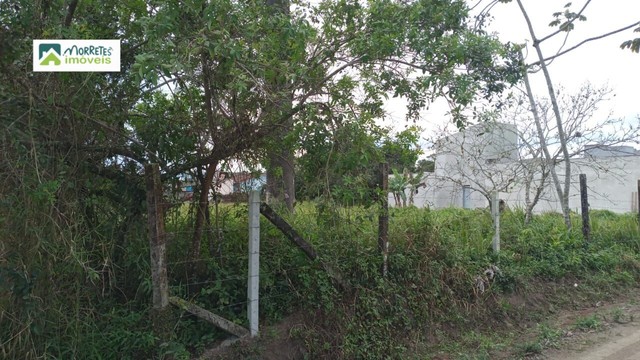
x=225 y=183
x=483 y=156
x=241 y=182
x=609 y=151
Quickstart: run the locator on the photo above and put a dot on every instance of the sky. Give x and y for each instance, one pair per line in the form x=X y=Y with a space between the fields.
x=600 y=62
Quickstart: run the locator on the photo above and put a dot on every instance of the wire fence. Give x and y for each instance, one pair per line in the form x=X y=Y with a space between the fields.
x=208 y=249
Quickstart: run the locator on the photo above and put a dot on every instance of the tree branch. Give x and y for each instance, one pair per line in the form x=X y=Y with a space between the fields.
x=72 y=9
x=586 y=41
x=561 y=30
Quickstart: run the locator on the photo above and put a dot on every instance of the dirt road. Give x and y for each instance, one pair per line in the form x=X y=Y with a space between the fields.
x=622 y=344
x=619 y=342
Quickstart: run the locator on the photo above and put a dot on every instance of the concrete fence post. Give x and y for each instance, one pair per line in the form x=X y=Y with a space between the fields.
x=254 y=262
x=495 y=212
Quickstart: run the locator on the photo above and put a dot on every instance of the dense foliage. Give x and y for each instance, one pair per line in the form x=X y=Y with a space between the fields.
x=436 y=257
x=201 y=83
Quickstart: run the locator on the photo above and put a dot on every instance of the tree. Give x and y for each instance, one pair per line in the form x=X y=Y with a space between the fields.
x=402 y=151
x=582 y=130
x=534 y=169
x=72 y=199
x=280 y=162
x=337 y=161
x=633 y=45
x=565 y=20
x=202 y=82
x=424 y=165
x=276 y=67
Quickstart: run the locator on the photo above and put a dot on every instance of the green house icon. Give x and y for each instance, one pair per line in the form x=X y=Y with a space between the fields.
x=49 y=53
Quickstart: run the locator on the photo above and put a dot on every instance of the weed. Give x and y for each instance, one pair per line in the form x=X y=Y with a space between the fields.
x=433 y=261
x=619 y=316
x=529 y=348
x=548 y=336
x=586 y=323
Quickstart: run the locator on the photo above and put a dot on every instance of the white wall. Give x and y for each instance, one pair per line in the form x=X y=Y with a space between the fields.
x=612 y=185
x=486 y=157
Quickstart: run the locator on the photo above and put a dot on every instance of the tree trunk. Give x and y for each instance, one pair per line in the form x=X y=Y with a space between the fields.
x=531 y=203
x=281 y=172
x=281 y=178
x=545 y=151
x=528 y=212
x=563 y=194
x=201 y=211
x=288 y=178
x=274 y=178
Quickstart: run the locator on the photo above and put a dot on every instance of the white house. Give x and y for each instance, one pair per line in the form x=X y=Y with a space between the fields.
x=484 y=158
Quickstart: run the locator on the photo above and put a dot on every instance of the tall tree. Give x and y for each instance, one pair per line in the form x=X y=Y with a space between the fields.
x=582 y=131
x=280 y=169
x=70 y=186
x=565 y=21
x=230 y=56
x=485 y=162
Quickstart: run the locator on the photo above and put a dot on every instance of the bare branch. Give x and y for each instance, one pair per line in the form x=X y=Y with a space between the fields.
x=584 y=42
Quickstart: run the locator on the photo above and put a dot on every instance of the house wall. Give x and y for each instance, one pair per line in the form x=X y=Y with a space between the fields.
x=612 y=185
x=486 y=156
x=496 y=141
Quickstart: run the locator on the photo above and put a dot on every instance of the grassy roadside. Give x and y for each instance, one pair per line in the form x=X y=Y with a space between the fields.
x=553 y=326
x=439 y=300
x=431 y=305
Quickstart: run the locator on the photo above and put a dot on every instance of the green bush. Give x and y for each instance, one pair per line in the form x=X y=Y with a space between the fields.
x=435 y=260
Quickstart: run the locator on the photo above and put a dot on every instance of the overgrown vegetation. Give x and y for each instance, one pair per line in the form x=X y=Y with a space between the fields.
x=206 y=83
x=435 y=261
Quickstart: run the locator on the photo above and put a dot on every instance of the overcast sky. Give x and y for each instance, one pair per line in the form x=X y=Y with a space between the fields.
x=601 y=62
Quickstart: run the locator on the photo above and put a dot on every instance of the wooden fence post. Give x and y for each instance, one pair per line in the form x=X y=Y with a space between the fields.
x=157 y=245
x=383 y=217
x=495 y=210
x=638 y=202
x=254 y=262
x=584 y=200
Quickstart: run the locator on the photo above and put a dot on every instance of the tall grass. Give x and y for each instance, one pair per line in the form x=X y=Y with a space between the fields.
x=435 y=261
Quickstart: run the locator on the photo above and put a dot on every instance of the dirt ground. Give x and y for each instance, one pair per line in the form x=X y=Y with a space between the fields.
x=274 y=343
x=616 y=338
